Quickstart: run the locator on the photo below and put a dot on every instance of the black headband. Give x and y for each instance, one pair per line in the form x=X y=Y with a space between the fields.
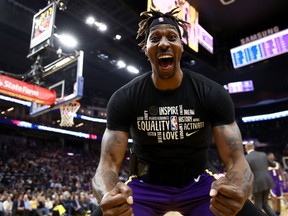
x=164 y=20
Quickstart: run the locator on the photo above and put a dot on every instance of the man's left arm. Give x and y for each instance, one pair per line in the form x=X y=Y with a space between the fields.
x=229 y=193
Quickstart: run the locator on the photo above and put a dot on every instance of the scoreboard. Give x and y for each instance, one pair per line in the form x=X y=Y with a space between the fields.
x=264 y=48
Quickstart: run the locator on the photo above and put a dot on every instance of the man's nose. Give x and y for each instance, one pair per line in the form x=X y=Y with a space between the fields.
x=164 y=43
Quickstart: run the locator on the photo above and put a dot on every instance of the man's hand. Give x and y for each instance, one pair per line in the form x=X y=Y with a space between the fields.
x=227 y=199
x=118 y=201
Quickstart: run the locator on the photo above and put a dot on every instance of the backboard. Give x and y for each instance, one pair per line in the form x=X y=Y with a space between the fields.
x=64 y=75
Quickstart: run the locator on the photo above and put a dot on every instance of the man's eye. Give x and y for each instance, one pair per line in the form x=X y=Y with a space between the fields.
x=173 y=37
x=154 y=39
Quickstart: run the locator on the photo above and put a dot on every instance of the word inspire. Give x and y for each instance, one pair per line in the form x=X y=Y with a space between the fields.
x=170 y=123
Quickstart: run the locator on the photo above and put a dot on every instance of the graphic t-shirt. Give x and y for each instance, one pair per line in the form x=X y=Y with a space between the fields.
x=170 y=125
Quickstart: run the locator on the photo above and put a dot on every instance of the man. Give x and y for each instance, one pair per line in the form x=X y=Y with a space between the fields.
x=278 y=177
x=8 y=205
x=27 y=205
x=171 y=114
x=259 y=164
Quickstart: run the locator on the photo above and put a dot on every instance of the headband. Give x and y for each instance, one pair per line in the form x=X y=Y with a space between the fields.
x=164 y=20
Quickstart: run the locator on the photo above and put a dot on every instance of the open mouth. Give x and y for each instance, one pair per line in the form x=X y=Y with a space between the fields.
x=165 y=61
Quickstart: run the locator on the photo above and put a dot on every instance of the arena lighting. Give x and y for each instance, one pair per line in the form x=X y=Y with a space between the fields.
x=79 y=125
x=265 y=117
x=30 y=125
x=121 y=64
x=61 y=4
x=90 y=21
x=245 y=142
x=101 y=26
x=14 y=100
x=227 y=2
x=10 y=109
x=117 y=37
x=103 y=56
x=132 y=69
x=87 y=118
x=67 y=40
x=68 y=132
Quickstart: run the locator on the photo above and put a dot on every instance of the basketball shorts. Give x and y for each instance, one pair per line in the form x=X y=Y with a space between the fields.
x=192 y=200
x=277 y=190
x=155 y=200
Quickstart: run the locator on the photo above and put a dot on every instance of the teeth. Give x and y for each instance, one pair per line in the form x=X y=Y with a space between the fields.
x=165 y=56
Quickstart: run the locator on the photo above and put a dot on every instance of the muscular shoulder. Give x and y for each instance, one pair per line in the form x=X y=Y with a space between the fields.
x=215 y=99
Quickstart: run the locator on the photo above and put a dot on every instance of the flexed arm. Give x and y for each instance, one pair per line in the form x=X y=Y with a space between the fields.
x=114 y=196
x=229 y=193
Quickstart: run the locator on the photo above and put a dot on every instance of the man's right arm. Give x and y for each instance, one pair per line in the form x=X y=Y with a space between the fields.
x=113 y=147
x=114 y=196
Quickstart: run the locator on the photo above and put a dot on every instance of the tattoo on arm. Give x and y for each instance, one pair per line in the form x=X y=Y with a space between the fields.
x=232 y=153
x=234 y=143
x=232 y=137
x=114 y=145
x=246 y=181
x=113 y=178
x=247 y=177
x=233 y=176
x=114 y=141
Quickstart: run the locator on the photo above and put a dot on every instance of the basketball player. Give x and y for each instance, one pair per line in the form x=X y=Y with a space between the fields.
x=172 y=114
x=276 y=192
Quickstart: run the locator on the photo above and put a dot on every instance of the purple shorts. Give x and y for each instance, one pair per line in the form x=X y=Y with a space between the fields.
x=155 y=200
x=277 y=190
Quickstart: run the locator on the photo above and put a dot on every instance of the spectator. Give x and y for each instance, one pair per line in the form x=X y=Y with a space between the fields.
x=2 y=212
x=18 y=206
x=48 y=204
x=8 y=205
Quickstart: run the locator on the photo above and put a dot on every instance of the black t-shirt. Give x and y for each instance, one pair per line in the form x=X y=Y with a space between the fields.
x=168 y=126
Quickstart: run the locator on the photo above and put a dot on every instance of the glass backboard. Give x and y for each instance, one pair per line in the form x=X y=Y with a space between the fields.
x=65 y=76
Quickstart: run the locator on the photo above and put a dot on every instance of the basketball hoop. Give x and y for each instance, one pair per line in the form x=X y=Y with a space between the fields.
x=67 y=113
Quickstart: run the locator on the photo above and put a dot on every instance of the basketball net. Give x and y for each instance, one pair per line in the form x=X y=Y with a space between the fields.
x=68 y=112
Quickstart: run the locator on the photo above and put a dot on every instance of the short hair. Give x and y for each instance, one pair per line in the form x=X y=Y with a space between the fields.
x=249 y=146
x=151 y=15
